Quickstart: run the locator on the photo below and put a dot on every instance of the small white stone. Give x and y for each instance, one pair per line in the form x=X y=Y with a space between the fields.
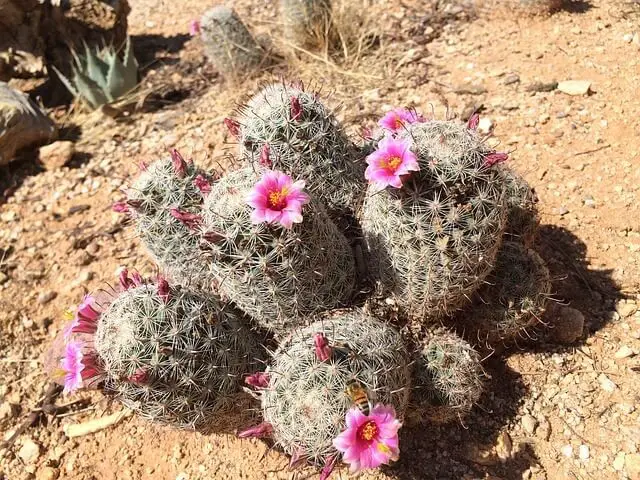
x=618 y=462
x=574 y=87
x=485 y=125
x=606 y=383
x=567 y=451
x=624 y=352
x=628 y=37
x=583 y=452
x=29 y=452
x=529 y=424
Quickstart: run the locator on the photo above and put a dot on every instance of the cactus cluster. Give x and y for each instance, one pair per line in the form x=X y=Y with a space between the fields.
x=305 y=400
x=278 y=276
x=263 y=240
x=101 y=77
x=434 y=241
x=303 y=138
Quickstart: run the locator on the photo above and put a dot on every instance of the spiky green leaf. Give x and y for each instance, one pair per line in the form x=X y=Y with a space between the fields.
x=89 y=90
x=66 y=82
x=96 y=68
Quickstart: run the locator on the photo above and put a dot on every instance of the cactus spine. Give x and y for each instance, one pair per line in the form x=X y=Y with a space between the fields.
x=521 y=200
x=175 y=357
x=228 y=42
x=276 y=275
x=433 y=241
x=304 y=140
x=305 y=400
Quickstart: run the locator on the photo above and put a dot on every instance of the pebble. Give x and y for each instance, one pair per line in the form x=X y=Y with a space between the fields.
x=470 y=89
x=511 y=79
x=628 y=37
x=624 y=352
x=3 y=278
x=583 y=452
x=589 y=201
x=48 y=473
x=574 y=87
x=485 y=125
x=57 y=154
x=29 y=452
x=542 y=87
x=529 y=424
x=46 y=297
x=626 y=308
x=606 y=383
x=567 y=451
x=632 y=465
x=618 y=462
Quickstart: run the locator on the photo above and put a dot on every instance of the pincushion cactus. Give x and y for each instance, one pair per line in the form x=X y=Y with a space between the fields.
x=512 y=300
x=228 y=42
x=171 y=355
x=447 y=378
x=302 y=138
x=165 y=203
x=276 y=272
x=305 y=400
x=433 y=241
x=521 y=200
x=307 y=23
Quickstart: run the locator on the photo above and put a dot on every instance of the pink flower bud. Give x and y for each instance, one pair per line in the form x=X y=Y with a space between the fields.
x=259 y=431
x=194 y=28
x=296 y=109
x=143 y=166
x=190 y=220
x=473 y=122
x=125 y=281
x=298 y=458
x=120 y=207
x=366 y=133
x=495 y=158
x=179 y=165
x=329 y=465
x=321 y=346
x=257 y=380
x=233 y=127
x=137 y=279
x=265 y=161
x=140 y=376
x=202 y=184
x=213 y=237
x=163 y=289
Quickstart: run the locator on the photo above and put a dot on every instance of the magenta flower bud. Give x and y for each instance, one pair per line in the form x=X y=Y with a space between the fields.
x=194 y=28
x=265 y=161
x=495 y=158
x=257 y=380
x=322 y=348
x=179 y=165
x=259 y=431
x=213 y=237
x=233 y=127
x=297 y=458
x=136 y=278
x=120 y=207
x=163 y=289
x=296 y=109
x=140 y=377
x=125 y=281
x=202 y=184
x=190 y=220
x=329 y=465
x=473 y=122
x=366 y=133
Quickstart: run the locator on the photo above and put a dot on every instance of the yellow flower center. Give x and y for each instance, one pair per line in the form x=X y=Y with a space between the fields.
x=391 y=164
x=398 y=123
x=368 y=431
x=278 y=199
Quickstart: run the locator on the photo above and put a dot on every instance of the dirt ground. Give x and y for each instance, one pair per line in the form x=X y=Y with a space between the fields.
x=551 y=411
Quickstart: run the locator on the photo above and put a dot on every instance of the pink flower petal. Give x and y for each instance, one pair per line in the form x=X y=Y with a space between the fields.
x=355 y=418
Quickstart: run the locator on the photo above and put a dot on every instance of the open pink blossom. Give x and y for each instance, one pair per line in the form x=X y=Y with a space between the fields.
x=85 y=319
x=390 y=162
x=369 y=441
x=77 y=366
x=394 y=120
x=276 y=198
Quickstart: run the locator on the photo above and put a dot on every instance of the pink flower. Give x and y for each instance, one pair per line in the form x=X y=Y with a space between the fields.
x=329 y=465
x=321 y=347
x=390 y=162
x=296 y=109
x=137 y=279
x=259 y=431
x=495 y=158
x=202 y=184
x=179 y=165
x=139 y=377
x=397 y=118
x=265 y=160
x=473 y=122
x=125 y=282
x=233 y=126
x=276 y=198
x=163 y=289
x=77 y=366
x=257 y=380
x=369 y=441
x=85 y=319
x=194 y=28
x=190 y=220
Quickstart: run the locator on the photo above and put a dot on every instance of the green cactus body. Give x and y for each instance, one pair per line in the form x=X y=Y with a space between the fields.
x=228 y=43
x=312 y=146
x=276 y=275
x=521 y=200
x=176 y=360
x=513 y=299
x=101 y=77
x=433 y=241
x=307 y=23
x=447 y=378
x=171 y=243
x=306 y=398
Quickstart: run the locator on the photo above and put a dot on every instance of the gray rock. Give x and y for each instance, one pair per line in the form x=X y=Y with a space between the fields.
x=46 y=297
x=529 y=424
x=22 y=123
x=57 y=154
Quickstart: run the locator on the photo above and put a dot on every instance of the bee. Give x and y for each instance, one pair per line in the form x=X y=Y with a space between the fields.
x=358 y=395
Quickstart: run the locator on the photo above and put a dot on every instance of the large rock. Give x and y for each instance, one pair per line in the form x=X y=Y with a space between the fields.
x=22 y=123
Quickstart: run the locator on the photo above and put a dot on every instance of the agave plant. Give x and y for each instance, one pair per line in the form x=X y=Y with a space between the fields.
x=101 y=77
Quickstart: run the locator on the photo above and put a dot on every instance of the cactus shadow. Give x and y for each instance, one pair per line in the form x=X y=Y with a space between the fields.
x=452 y=451
x=13 y=175
x=151 y=50
x=593 y=291
x=576 y=6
